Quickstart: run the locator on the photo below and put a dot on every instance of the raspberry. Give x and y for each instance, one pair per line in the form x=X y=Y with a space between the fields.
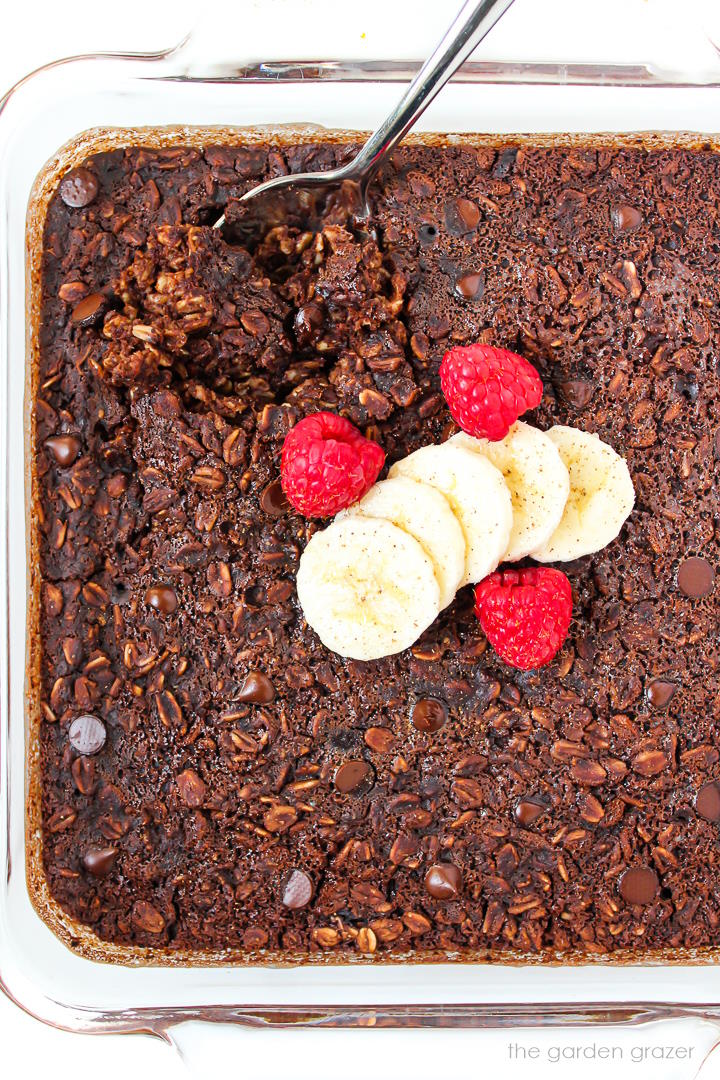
x=525 y=614
x=327 y=464
x=487 y=389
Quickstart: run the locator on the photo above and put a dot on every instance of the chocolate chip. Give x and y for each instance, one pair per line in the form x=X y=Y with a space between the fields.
x=273 y=500
x=461 y=216
x=298 y=891
x=257 y=688
x=470 y=286
x=659 y=692
x=64 y=448
x=443 y=881
x=309 y=319
x=87 y=734
x=79 y=188
x=576 y=392
x=707 y=800
x=352 y=775
x=625 y=218
x=163 y=598
x=639 y=885
x=527 y=811
x=429 y=714
x=88 y=310
x=696 y=577
x=100 y=861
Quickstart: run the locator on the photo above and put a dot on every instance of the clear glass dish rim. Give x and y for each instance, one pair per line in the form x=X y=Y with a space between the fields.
x=160 y=1019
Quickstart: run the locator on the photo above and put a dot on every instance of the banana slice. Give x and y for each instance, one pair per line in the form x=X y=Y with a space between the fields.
x=425 y=513
x=601 y=496
x=478 y=495
x=538 y=481
x=367 y=588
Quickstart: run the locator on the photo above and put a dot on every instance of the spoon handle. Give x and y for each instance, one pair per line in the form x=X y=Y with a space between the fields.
x=474 y=20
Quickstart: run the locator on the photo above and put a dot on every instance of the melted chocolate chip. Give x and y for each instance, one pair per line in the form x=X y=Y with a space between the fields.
x=87 y=734
x=257 y=688
x=352 y=775
x=309 y=319
x=443 y=881
x=639 y=885
x=470 y=286
x=707 y=800
x=273 y=500
x=461 y=216
x=576 y=392
x=88 y=310
x=163 y=598
x=298 y=891
x=659 y=692
x=696 y=577
x=527 y=811
x=100 y=861
x=625 y=218
x=64 y=448
x=429 y=714
x=79 y=188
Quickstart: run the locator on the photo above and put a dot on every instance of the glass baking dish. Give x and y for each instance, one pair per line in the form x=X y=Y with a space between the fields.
x=191 y=93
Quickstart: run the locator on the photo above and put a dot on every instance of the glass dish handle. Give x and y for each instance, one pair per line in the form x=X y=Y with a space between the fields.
x=680 y=1048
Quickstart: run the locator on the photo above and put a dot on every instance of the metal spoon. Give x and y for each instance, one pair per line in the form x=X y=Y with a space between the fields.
x=474 y=20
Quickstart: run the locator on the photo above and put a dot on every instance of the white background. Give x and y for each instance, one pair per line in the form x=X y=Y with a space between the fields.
x=37 y=31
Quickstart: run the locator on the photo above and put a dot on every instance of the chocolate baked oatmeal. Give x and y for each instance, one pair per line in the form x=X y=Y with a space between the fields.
x=212 y=777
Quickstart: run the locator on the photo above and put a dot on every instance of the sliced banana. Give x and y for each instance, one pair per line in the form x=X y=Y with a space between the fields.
x=478 y=495
x=367 y=588
x=601 y=496
x=538 y=481
x=425 y=513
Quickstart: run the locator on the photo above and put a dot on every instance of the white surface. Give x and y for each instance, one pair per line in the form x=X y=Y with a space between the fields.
x=38 y=31
x=661 y=1051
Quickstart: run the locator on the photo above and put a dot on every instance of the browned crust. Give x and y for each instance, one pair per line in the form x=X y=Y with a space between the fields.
x=78 y=938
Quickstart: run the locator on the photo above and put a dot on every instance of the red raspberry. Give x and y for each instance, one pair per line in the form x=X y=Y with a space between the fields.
x=487 y=389
x=525 y=614
x=327 y=464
